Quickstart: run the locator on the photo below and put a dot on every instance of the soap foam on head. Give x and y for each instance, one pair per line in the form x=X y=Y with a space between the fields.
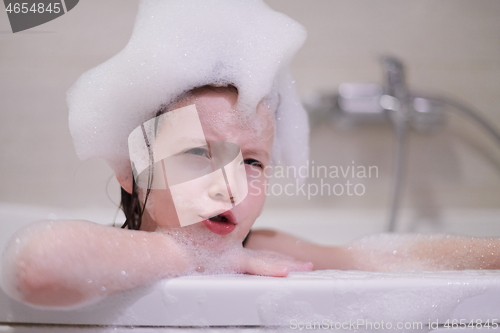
x=177 y=46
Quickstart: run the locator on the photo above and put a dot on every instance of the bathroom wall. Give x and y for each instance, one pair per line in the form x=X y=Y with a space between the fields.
x=450 y=47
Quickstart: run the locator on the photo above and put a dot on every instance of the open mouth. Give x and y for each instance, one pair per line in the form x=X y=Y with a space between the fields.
x=219 y=218
x=221 y=224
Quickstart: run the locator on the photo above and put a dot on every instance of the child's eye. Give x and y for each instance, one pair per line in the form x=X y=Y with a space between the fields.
x=199 y=151
x=253 y=162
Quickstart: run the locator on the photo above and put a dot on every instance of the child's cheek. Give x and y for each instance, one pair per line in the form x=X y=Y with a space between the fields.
x=257 y=183
x=161 y=209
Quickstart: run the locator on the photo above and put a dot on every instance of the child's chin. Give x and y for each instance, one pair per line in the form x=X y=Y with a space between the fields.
x=198 y=235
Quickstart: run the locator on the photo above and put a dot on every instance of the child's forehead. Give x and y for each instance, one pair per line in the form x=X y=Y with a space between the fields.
x=216 y=110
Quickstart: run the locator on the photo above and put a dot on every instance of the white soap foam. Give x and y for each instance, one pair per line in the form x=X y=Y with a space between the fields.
x=208 y=253
x=370 y=297
x=180 y=45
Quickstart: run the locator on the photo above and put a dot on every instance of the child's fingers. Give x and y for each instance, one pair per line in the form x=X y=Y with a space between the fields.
x=266 y=269
x=300 y=266
x=257 y=266
x=273 y=254
x=295 y=265
x=273 y=265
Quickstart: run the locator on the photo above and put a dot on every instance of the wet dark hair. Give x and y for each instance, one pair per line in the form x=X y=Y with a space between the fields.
x=130 y=203
x=131 y=208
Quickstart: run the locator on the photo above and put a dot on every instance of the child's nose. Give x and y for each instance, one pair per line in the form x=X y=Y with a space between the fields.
x=219 y=190
x=236 y=179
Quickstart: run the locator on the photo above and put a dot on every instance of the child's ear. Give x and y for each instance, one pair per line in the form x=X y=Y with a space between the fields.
x=125 y=182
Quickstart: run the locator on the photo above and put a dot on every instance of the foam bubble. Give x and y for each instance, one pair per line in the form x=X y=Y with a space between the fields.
x=208 y=253
x=179 y=45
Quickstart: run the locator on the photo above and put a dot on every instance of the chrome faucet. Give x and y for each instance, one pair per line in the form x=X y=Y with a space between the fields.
x=362 y=102
x=397 y=101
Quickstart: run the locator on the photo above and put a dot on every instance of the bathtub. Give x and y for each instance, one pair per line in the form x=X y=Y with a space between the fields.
x=344 y=301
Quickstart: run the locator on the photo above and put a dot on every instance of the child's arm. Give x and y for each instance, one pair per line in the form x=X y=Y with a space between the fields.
x=387 y=252
x=322 y=257
x=67 y=263
x=71 y=262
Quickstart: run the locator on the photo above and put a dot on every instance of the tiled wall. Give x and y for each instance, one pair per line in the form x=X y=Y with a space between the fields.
x=449 y=46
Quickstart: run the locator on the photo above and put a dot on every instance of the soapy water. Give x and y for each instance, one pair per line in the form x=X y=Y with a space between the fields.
x=208 y=253
x=205 y=253
x=338 y=296
x=334 y=296
x=366 y=297
x=43 y=239
x=212 y=254
x=180 y=45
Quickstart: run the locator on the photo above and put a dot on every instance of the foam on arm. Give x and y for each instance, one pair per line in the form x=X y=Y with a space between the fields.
x=72 y=263
x=387 y=252
x=424 y=252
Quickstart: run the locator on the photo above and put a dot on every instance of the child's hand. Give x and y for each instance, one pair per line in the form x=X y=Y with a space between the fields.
x=270 y=263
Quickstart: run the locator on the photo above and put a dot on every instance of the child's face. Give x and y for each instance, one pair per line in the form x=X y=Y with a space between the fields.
x=221 y=123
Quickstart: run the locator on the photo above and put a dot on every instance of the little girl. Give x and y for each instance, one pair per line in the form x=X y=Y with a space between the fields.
x=197 y=83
